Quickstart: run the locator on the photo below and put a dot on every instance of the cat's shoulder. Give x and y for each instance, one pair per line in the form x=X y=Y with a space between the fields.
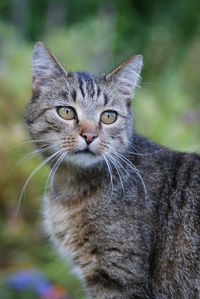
x=145 y=144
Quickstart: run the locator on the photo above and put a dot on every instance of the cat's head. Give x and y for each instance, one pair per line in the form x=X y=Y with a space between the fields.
x=82 y=117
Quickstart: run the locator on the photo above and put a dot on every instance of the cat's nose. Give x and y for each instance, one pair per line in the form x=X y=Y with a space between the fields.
x=89 y=137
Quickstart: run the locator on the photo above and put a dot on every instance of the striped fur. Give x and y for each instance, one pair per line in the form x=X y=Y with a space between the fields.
x=127 y=214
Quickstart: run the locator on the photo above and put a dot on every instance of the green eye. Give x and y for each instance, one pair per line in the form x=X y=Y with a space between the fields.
x=108 y=117
x=67 y=113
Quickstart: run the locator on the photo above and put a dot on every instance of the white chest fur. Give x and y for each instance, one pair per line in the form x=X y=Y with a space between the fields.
x=64 y=227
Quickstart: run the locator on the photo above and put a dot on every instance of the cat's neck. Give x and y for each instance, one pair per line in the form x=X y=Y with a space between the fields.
x=74 y=184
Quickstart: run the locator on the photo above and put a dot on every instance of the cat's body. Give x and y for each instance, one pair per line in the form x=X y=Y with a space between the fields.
x=132 y=248
x=130 y=223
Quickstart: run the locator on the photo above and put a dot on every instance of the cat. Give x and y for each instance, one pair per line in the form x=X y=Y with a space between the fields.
x=122 y=209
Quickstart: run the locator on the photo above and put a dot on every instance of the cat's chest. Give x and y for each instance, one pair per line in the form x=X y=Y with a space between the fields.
x=85 y=236
x=72 y=234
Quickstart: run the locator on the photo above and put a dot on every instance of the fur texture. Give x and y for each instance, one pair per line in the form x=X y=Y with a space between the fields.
x=124 y=210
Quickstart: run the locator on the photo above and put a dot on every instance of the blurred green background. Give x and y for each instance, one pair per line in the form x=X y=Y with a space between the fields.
x=95 y=36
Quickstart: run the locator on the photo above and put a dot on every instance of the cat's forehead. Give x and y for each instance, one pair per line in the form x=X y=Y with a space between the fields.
x=88 y=84
x=91 y=94
x=86 y=90
x=86 y=76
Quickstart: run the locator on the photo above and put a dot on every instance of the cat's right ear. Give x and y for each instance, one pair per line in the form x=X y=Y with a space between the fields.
x=44 y=65
x=126 y=76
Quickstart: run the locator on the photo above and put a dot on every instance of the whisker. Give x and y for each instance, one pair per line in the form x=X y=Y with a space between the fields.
x=112 y=160
x=111 y=180
x=50 y=172
x=138 y=148
x=133 y=167
x=32 y=174
x=54 y=170
x=28 y=157
x=145 y=154
x=30 y=142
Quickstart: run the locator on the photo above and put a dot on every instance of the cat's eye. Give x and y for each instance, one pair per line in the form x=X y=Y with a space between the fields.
x=67 y=112
x=108 y=117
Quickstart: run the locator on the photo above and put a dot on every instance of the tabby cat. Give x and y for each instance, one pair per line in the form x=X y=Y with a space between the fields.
x=124 y=210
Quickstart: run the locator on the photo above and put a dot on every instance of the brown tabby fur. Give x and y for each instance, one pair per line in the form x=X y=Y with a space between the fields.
x=128 y=215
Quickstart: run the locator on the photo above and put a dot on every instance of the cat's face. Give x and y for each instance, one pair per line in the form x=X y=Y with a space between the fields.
x=82 y=118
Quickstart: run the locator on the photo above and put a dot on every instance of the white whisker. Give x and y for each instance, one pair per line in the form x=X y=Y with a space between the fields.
x=54 y=170
x=28 y=157
x=111 y=179
x=50 y=173
x=145 y=154
x=33 y=173
x=30 y=142
x=113 y=161
x=133 y=167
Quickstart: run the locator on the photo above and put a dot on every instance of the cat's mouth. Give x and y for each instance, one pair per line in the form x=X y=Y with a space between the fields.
x=85 y=151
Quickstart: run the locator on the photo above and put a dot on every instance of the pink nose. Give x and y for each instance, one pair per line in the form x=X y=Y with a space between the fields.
x=89 y=137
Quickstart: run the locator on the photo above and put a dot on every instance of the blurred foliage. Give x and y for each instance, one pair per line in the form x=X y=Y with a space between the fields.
x=95 y=36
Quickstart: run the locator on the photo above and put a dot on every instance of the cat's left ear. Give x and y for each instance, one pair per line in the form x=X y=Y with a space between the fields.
x=45 y=66
x=127 y=76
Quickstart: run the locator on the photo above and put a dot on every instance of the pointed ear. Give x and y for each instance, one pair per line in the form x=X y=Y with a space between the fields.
x=127 y=75
x=44 y=65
